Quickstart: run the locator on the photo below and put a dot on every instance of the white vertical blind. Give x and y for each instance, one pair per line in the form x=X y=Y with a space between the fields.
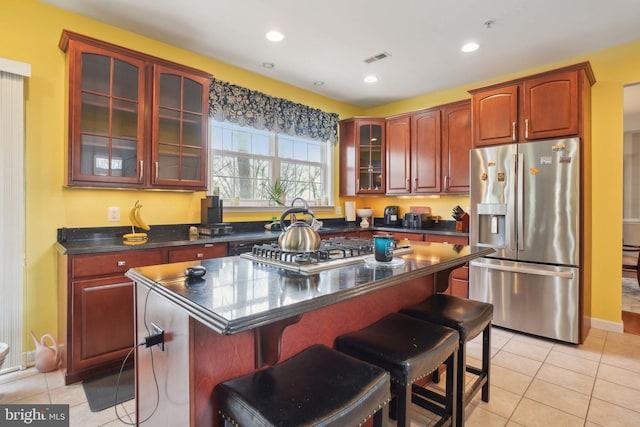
x=12 y=208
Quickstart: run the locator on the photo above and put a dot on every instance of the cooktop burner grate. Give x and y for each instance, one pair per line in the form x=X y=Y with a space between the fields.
x=330 y=249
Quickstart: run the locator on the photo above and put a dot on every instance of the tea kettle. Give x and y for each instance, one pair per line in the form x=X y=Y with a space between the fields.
x=298 y=236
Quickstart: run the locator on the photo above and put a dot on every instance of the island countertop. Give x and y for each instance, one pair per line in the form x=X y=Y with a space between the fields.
x=238 y=294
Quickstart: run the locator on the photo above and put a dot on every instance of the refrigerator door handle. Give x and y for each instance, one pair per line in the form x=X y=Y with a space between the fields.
x=512 y=193
x=520 y=201
x=525 y=270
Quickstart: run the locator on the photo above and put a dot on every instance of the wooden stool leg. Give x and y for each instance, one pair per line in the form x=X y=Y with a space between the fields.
x=460 y=389
x=452 y=386
x=486 y=360
x=403 y=400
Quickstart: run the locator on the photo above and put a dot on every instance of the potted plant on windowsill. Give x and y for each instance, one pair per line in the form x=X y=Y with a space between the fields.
x=276 y=192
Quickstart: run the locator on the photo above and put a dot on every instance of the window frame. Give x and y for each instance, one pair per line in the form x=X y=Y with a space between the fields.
x=326 y=163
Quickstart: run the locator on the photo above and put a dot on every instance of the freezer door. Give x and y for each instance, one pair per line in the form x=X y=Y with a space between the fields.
x=492 y=197
x=537 y=299
x=548 y=201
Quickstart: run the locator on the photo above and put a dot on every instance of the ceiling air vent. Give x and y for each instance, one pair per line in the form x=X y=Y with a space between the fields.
x=377 y=57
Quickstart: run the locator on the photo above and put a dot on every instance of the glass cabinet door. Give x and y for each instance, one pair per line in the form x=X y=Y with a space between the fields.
x=180 y=124
x=371 y=152
x=107 y=129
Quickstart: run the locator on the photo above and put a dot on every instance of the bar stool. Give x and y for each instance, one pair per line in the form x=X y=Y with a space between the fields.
x=469 y=318
x=409 y=349
x=317 y=387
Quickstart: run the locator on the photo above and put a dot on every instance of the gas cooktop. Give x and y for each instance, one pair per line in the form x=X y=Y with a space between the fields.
x=333 y=252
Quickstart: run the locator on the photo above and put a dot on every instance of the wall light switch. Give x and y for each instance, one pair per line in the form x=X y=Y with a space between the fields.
x=113 y=214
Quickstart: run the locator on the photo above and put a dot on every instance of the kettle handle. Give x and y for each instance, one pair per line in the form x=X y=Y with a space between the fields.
x=294 y=210
x=53 y=340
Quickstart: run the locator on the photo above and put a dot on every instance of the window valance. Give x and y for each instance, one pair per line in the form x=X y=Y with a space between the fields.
x=247 y=107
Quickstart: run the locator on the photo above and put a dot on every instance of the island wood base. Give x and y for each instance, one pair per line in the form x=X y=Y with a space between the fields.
x=214 y=358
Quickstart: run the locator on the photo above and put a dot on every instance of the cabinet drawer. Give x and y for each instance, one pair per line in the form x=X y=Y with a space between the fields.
x=198 y=252
x=415 y=237
x=112 y=262
x=454 y=240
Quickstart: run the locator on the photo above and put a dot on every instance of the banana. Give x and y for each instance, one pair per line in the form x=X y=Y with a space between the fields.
x=132 y=218
x=135 y=236
x=134 y=242
x=138 y=218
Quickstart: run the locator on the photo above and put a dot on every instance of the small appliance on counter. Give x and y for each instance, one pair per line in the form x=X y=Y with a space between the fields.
x=211 y=217
x=415 y=221
x=392 y=216
x=462 y=219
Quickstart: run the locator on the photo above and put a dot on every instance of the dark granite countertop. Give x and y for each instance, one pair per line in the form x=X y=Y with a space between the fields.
x=75 y=241
x=238 y=294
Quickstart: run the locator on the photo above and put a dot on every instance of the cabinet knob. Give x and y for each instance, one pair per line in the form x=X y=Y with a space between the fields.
x=408 y=186
x=199 y=255
x=415 y=188
x=446 y=182
x=121 y=263
x=513 y=131
x=157 y=167
x=141 y=170
x=526 y=128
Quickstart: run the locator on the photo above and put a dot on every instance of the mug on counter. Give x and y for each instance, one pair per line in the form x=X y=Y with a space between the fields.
x=383 y=245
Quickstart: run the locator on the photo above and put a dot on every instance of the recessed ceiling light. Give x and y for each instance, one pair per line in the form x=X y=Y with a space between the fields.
x=318 y=83
x=470 y=47
x=274 y=36
x=370 y=79
x=268 y=64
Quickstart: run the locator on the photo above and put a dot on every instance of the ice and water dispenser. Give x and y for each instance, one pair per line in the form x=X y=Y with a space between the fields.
x=491 y=225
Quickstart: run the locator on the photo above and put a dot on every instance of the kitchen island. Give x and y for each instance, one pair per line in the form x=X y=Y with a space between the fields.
x=244 y=315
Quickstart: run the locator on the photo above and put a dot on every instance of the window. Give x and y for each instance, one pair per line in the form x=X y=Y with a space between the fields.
x=245 y=161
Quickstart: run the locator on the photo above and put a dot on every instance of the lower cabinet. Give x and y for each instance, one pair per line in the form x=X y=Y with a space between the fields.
x=95 y=305
x=198 y=252
x=459 y=280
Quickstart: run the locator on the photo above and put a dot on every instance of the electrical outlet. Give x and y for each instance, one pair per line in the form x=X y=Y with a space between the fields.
x=113 y=214
x=338 y=210
x=155 y=329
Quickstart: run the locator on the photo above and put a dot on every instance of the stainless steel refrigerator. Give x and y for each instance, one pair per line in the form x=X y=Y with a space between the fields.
x=525 y=203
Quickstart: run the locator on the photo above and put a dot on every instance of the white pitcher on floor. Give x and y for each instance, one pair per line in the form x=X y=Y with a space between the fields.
x=47 y=358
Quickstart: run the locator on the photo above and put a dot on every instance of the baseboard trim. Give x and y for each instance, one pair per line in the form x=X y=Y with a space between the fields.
x=607 y=325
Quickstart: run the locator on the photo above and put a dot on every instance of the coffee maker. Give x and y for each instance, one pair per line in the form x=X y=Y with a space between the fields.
x=392 y=216
x=211 y=217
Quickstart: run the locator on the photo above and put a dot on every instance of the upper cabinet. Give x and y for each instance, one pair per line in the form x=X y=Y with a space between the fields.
x=134 y=120
x=362 y=151
x=428 y=151
x=456 y=144
x=548 y=105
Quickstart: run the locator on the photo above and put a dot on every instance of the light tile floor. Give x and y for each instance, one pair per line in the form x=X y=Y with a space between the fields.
x=535 y=382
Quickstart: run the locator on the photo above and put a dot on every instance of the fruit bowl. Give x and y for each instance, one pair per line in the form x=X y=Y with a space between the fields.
x=364 y=212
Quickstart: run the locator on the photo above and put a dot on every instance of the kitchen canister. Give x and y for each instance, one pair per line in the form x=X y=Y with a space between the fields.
x=350 y=211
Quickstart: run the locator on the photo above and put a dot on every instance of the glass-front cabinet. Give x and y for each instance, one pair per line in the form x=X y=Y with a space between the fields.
x=107 y=133
x=370 y=163
x=134 y=120
x=180 y=121
x=362 y=156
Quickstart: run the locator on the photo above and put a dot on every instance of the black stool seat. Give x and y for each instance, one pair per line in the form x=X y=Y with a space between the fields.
x=469 y=318
x=317 y=387
x=409 y=349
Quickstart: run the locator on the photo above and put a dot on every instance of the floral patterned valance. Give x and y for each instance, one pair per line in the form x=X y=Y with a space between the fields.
x=246 y=107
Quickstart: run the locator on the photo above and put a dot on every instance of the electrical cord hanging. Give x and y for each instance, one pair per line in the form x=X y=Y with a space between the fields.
x=153 y=370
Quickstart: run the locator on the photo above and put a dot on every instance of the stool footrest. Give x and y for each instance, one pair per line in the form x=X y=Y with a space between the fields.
x=477 y=385
x=432 y=402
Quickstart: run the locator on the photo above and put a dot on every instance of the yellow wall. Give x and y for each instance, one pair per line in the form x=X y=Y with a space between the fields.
x=30 y=31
